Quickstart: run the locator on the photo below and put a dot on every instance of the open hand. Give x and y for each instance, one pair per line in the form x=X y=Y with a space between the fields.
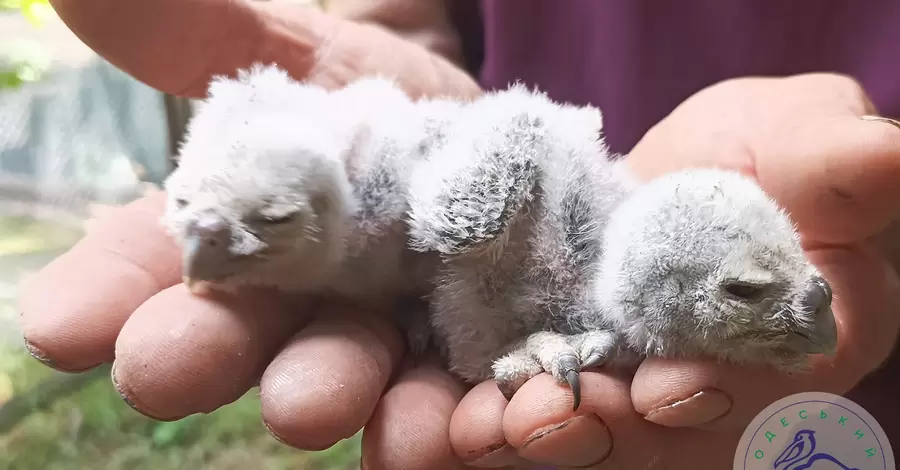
x=838 y=176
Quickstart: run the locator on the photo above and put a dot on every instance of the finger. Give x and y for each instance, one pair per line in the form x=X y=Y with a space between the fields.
x=688 y=148
x=702 y=393
x=349 y=50
x=846 y=167
x=410 y=426
x=476 y=429
x=172 y=45
x=204 y=38
x=605 y=432
x=324 y=385
x=181 y=353
x=73 y=309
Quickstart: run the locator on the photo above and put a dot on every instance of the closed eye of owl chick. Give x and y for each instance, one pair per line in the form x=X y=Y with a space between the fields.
x=704 y=262
x=259 y=187
x=696 y=263
x=285 y=184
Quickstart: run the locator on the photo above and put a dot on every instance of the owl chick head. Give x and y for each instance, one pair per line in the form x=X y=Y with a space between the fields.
x=704 y=262
x=259 y=183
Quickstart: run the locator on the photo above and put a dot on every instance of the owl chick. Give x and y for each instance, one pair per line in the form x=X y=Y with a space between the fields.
x=555 y=260
x=537 y=251
x=285 y=184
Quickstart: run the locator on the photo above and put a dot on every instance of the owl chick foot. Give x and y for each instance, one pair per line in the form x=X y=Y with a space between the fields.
x=563 y=356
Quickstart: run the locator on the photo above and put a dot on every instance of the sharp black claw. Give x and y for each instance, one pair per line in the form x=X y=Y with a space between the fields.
x=575 y=384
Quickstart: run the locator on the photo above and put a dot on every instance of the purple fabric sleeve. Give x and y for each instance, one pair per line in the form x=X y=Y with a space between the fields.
x=638 y=59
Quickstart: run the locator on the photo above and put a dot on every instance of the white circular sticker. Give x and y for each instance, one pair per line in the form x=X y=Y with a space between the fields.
x=814 y=430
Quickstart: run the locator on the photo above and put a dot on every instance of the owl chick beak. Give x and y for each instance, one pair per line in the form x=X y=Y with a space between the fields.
x=205 y=252
x=821 y=336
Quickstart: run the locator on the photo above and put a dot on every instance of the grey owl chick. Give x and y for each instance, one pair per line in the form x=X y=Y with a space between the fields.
x=548 y=250
x=286 y=184
x=554 y=260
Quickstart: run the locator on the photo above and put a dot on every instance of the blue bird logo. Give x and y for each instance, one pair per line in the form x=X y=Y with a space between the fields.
x=801 y=454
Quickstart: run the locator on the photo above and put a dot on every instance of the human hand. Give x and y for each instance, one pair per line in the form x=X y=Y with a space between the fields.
x=839 y=177
x=176 y=46
x=324 y=371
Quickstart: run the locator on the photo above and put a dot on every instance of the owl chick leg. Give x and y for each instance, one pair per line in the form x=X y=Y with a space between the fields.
x=563 y=356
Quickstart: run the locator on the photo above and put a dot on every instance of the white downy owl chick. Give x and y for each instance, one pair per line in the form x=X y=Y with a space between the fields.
x=704 y=262
x=555 y=261
x=286 y=184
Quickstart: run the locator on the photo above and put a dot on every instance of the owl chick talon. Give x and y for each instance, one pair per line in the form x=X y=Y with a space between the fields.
x=555 y=353
x=566 y=371
x=564 y=364
x=597 y=347
x=595 y=359
x=575 y=385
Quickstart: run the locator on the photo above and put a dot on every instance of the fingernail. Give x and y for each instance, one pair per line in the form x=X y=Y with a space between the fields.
x=41 y=356
x=497 y=455
x=280 y=439
x=890 y=121
x=38 y=354
x=702 y=407
x=545 y=442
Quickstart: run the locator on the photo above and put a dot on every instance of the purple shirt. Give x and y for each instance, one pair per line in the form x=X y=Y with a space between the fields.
x=638 y=59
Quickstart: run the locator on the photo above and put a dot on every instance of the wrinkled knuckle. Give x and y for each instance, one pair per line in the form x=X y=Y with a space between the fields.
x=833 y=80
x=846 y=82
x=382 y=339
x=852 y=91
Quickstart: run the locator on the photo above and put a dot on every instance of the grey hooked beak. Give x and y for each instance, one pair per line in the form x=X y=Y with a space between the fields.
x=205 y=252
x=821 y=336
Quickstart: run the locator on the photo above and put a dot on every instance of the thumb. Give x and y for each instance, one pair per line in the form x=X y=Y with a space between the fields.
x=839 y=178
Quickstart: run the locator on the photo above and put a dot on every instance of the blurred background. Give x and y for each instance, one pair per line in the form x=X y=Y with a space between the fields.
x=76 y=132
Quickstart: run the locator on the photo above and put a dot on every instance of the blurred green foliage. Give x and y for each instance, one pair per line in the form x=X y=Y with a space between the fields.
x=24 y=61
x=61 y=424
x=24 y=235
x=55 y=421
x=94 y=429
x=35 y=11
